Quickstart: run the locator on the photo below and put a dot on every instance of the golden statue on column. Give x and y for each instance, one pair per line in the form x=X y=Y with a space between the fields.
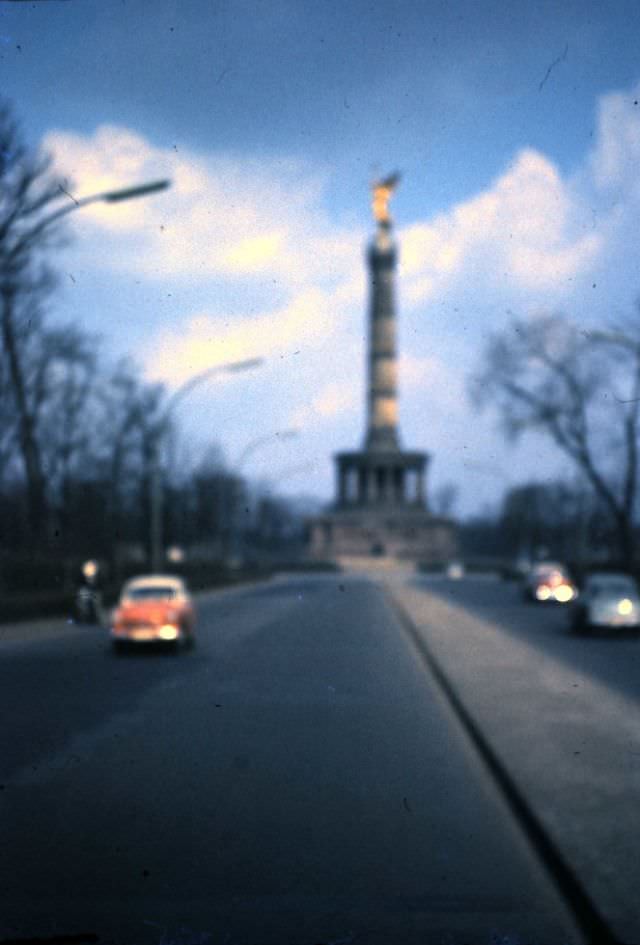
x=382 y=192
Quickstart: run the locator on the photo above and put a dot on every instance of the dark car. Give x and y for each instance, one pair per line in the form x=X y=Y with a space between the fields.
x=549 y=581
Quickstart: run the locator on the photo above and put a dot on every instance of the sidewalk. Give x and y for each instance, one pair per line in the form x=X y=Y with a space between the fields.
x=43 y=629
x=570 y=744
x=49 y=628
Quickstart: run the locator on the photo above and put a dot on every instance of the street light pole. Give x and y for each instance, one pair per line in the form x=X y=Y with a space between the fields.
x=236 y=533
x=286 y=472
x=109 y=196
x=18 y=237
x=157 y=496
x=263 y=441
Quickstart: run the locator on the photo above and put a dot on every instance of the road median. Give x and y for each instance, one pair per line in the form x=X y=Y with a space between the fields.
x=568 y=743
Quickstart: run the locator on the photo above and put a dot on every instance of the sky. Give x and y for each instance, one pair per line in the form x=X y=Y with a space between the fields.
x=516 y=128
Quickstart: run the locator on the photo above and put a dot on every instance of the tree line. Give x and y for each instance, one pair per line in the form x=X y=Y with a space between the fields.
x=79 y=434
x=75 y=432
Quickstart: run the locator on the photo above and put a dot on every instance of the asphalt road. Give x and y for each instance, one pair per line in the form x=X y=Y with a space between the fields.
x=296 y=779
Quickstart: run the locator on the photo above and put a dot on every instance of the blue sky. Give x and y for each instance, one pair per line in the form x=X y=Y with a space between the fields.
x=519 y=141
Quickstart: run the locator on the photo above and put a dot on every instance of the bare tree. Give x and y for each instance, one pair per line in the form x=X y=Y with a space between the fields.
x=133 y=428
x=29 y=195
x=582 y=389
x=66 y=414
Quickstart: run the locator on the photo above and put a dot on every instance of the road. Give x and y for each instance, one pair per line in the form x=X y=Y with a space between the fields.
x=298 y=778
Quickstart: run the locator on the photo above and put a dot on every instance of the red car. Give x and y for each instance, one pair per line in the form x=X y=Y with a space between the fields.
x=549 y=581
x=154 y=609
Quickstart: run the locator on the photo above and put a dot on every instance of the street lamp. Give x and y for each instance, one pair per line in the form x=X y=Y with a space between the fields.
x=286 y=472
x=263 y=441
x=18 y=237
x=233 y=367
x=108 y=196
x=289 y=472
x=236 y=534
x=127 y=193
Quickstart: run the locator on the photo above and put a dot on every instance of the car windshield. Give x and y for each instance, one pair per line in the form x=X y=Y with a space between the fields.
x=615 y=588
x=543 y=570
x=158 y=592
x=319 y=407
x=551 y=575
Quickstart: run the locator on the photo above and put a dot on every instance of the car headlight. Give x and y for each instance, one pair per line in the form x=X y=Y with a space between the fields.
x=543 y=592
x=564 y=593
x=625 y=607
x=168 y=632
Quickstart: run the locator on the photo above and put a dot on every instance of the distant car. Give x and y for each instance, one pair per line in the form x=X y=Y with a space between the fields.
x=607 y=600
x=522 y=565
x=455 y=570
x=154 y=609
x=549 y=581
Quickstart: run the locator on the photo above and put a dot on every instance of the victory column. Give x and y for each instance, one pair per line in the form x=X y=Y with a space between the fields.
x=380 y=507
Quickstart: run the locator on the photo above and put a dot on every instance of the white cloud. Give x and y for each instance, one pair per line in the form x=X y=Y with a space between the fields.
x=519 y=234
x=338 y=397
x=428 y=375
x=231 y=218
x=222 y=217
x=207 y=340
x=616 y=156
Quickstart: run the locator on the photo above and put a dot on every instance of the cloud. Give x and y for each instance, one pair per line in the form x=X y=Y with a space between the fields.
x=233 y=217
x=207 y=339
x=521 y=233
x=224 y=216
x=334 y=399
x=255 y=253
x=616 y=156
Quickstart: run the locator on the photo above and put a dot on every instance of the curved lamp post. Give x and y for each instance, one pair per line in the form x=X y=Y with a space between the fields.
x=107 y=196
x=286 y=472
x=263 y=441
x=236 y=534
x=233 y=367
x=14 y=256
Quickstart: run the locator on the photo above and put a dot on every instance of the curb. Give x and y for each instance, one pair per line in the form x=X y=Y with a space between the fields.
x=586 y=915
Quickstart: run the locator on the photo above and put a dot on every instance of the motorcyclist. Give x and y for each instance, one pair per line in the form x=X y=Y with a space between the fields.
x=89 y=593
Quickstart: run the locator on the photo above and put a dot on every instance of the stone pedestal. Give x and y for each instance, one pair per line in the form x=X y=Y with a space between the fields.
x=412 y=535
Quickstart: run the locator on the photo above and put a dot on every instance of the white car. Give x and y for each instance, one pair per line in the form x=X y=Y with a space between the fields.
x=607 y=600
x=455 y=570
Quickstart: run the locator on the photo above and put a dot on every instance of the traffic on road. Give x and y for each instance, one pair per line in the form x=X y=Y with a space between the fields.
x=296 y=778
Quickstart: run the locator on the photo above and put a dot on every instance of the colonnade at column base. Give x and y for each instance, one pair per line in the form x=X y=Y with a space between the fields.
x=381 y=479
